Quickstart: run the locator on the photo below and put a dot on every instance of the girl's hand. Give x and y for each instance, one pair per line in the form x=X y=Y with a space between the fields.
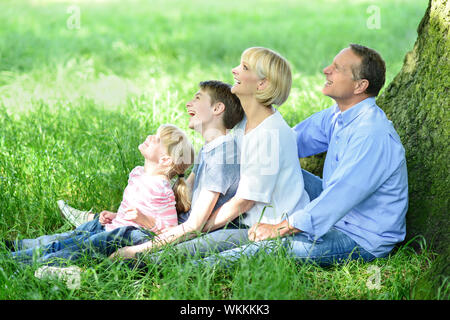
x=106 y=217
x=135 y=215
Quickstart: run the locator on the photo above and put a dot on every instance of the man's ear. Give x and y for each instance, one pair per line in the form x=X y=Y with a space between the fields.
x=218 y=108
x=262 y=84
x=361 y=86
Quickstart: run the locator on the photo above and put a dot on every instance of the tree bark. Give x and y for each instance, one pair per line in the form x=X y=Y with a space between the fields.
x=417 y=102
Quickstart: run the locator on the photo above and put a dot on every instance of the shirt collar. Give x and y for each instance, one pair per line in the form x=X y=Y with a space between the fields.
x=351 y=114
x=216 y=142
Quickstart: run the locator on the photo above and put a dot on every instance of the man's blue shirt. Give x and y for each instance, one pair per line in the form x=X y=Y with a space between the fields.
x=365 y=182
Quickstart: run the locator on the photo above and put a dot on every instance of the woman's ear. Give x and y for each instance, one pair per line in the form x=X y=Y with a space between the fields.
x=262 y=84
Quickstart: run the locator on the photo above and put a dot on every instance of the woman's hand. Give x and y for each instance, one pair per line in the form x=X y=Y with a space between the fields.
x=106 y=217
x=136 y=216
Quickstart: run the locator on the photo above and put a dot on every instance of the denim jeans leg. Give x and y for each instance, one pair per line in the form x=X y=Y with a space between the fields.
x=313 y=184
x=213 y=242
x=98 y=245
x=335 y=247
x=93 y=225
x=226 y=258
x=26 y=255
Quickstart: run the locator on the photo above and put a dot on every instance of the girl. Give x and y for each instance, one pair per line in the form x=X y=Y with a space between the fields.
x=149 y=205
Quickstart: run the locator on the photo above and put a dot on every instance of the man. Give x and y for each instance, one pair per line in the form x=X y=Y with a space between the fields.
x=358 y=209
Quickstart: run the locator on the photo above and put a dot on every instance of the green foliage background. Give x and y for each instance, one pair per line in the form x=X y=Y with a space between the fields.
x=76 y=102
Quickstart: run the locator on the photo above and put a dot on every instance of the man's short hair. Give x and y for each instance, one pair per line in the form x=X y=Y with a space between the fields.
x=221 y=92
x=372 y=68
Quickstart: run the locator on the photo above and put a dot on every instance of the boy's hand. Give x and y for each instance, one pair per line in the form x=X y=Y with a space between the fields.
x=106 y=217
x=135 y=215
x=125 y=253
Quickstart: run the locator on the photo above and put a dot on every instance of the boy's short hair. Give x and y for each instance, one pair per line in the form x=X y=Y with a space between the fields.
x=372 y=68
x=270 y=65
x=221 y=92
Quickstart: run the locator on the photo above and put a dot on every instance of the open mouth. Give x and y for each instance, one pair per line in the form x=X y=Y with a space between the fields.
x=191 y=113
x=328 y=83
x=236 y=81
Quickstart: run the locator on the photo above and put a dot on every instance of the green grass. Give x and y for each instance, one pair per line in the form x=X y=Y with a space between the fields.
x=75 y=104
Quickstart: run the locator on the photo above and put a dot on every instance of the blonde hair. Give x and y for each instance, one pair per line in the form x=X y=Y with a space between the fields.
x=180 y=149
x=270 y=65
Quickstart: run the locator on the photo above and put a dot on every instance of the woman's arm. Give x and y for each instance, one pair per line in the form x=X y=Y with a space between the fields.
x=227 y=213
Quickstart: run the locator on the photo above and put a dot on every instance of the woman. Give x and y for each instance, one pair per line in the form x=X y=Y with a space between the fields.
x=270 y=169
x=271 y=183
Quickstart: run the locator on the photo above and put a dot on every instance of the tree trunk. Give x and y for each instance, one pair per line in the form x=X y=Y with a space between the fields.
x=417 y=102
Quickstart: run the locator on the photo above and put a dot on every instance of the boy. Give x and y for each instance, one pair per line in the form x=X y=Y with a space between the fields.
x=215 y=177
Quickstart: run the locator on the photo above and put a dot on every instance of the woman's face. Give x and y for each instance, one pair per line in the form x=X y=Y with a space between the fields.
x=245 y=79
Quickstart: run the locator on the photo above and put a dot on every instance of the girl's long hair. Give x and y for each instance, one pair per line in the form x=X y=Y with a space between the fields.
x=180 y=149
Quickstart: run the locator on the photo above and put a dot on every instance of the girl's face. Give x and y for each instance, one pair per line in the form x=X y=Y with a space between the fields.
x=245 y=80
x=152 y=148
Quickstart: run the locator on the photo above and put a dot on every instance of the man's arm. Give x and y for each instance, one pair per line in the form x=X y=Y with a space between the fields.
x=312 y=136
x=227 y=213
x=366 y=163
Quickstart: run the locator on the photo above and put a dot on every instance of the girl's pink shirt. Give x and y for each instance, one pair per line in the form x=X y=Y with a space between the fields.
x=152 y=195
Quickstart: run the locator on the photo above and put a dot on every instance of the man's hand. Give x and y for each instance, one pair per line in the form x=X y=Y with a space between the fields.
x=125 y=253
x=106 y=217
x=135 y=215
x=264 y=231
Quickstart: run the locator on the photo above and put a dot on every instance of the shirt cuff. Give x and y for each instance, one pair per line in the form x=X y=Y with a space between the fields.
x=302 y=220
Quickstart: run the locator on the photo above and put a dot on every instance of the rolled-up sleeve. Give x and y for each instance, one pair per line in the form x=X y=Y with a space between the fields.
x=312 y=137
x=364 y=166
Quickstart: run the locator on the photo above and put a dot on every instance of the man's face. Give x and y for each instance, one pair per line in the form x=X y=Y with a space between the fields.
x=339 y=83
x=200 y=110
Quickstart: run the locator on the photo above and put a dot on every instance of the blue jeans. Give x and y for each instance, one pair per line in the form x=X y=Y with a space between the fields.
x=90 y=226
x=90 y=239
x=213 y=242
x=335 y=247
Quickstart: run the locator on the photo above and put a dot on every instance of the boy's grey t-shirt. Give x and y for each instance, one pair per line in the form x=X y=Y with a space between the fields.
x=216 y=169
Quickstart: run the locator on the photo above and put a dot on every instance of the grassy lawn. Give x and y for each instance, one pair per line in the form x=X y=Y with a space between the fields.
x=78 y=96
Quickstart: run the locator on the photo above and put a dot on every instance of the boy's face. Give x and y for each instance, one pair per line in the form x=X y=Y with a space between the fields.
x=200 y=111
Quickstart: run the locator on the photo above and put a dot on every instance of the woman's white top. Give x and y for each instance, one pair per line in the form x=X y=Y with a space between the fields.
x=270 y=172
